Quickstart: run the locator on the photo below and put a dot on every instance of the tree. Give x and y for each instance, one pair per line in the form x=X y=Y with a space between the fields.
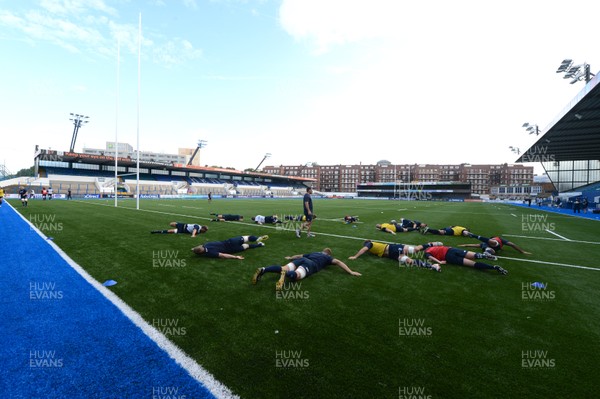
x=25 y=172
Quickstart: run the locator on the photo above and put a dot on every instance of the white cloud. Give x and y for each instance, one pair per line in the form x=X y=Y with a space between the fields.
x=175 y=51
x=76 y=7
x=325 y=24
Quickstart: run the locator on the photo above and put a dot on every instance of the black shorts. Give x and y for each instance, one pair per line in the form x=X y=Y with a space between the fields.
x=309 y=218
x=308 y=265
x=234 y=244
x=456 y=256
x=181 y=228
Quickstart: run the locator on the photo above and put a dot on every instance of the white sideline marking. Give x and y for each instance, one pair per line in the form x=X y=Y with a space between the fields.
x=558 y=235
x=552 y=239
x=551 y=263
x=181 y=358
x=513 y=214
x=333 y=220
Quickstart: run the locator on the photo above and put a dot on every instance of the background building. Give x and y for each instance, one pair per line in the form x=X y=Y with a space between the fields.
x=569 y=148
x=346 y=178
x=125 y=150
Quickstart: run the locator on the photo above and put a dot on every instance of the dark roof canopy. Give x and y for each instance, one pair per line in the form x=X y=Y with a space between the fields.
x=575 y=133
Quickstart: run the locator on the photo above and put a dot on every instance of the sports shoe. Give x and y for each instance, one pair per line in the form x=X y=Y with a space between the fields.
x=425 y=230
x=262 y=238
x=489 y=256
x=279 y=283
x=500 y=270
x=298 y=233
x=260 y=244
x=436 y=267
x=309 y=235
x=258 y=274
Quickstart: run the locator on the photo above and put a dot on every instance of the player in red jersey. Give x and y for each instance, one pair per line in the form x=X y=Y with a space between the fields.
x=493 y=245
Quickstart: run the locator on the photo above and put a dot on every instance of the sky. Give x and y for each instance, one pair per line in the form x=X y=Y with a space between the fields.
x=325 y=81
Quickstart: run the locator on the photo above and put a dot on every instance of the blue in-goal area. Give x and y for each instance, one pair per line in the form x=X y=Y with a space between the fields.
x=61 y=336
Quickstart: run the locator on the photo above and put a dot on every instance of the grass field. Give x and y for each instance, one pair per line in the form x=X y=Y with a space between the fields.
x=393 y=332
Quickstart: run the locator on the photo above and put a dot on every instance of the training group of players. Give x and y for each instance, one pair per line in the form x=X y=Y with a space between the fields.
x=430 y=255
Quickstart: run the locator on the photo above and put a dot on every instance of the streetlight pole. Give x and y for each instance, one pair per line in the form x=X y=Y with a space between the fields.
x=78 y=121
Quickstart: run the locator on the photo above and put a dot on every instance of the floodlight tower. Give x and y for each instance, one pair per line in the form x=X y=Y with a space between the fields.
x=532 y=129
x=201 y=144
x=78 y=121
x=267 y=155
x=302 y=167
x=575 y=72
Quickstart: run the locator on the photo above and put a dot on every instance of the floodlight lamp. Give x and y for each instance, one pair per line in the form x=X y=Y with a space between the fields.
x=564 y=65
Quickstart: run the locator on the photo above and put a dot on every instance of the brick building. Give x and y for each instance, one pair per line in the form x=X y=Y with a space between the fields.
x=345 y=178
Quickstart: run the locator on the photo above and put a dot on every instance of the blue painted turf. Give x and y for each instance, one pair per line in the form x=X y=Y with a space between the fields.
x=72 y=342
x=564 y=211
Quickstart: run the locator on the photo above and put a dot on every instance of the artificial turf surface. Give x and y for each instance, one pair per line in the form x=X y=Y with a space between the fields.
x=393 y=332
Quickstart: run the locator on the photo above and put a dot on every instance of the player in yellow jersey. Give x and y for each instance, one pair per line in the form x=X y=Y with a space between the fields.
x=393 y=228
x=398 y=252
x=448 y=231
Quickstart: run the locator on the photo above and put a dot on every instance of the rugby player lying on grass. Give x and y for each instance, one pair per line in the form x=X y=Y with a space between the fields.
x=302 y=266
x=183 y=228
x=461 y=257
x=225 y=249
x=398 y=252
x=493 y=245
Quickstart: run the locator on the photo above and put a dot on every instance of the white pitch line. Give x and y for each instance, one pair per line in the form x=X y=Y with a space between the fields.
x=558 y=235
x=513 y=214
x=551 y=263
x=552 y=239
x=340 y=220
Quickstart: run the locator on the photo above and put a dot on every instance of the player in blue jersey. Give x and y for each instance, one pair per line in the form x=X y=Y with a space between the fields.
x=226 y=217
x=183 y=228
x=23 y=195
x=456 y=256
x=411 y=224
x=307 y=207
x=302 y=266
x=225 y=249
x=493 y=245
x=260 y=219
x=350 y=219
